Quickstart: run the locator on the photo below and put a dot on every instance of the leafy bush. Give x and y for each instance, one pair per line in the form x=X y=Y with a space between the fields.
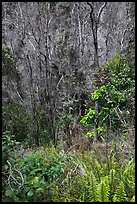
x=39 y=171
x=8 y=144
x=114 y=95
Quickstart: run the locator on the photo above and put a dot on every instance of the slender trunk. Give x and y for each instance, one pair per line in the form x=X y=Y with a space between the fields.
x=94 y=25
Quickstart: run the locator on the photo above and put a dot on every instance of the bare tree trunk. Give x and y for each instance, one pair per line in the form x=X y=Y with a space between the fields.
x=33 y=102
x=94 y=25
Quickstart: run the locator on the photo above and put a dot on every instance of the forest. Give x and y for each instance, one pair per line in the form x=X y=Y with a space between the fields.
x=68 y=101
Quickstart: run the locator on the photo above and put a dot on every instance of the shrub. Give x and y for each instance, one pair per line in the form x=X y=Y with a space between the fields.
x=39 y=171
x=114 y=96
x=8 y=144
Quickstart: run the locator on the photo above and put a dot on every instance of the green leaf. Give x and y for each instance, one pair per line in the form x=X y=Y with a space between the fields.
x=120 y=194
x=110 y=102
x=9 y=193
x=133 y=199
x=103 y=190
x=30 y=193
x=62 y=170
x=26 y=189
x=39 y=190
x=90 y=134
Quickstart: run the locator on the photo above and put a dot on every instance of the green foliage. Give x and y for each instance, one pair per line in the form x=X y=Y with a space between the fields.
x=103 y=190
x=90 y=117
x=53 y=176
x=8 y=142
x=90 y=134
x=8 y=145
x=8 y=63
x=39 y=171
x=16 y=120
x=120 y=194
x=95 y=178
x=128 y=178
x=44 y=128
x=114 y=94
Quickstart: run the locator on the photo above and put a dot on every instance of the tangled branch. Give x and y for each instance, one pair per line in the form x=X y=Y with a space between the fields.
x=12 y=180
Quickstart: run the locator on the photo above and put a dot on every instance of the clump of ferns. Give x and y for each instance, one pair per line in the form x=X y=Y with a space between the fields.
x=128 y=178
x=103 y=180
x=121 y=177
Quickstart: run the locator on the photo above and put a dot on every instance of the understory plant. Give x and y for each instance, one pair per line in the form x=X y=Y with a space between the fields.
x=48 y=174
x=97 y=178
x=39 y=169
x=112 y=99
x=51 y=175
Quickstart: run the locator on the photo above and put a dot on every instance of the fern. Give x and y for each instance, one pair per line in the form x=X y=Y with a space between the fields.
x=112 y=177
x=129 y=178
x=133 y=199
x=96 y=166
x=113 y=182
x=104 y=170
x=92 y=187
x=103 y=190
x=112 y=164
x=129 y=171
x=102 y=181
x=120 y=194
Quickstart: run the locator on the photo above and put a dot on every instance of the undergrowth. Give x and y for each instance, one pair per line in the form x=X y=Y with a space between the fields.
x=97 y=178
x=51 y=175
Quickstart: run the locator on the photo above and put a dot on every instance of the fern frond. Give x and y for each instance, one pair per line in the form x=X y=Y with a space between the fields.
x=103 y=190
x=112 y=182
x=129 y=171
x=129 y=178
x=111 y=162
x=96 y=166
x=104 y=170
x=133 y=199
x=120 y=194
x=92 y=187
x=112 y=177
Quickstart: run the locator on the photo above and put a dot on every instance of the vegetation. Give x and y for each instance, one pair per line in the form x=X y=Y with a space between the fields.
x=52 y=175
x=68 y=102
x=47 y=174
x=114 y=94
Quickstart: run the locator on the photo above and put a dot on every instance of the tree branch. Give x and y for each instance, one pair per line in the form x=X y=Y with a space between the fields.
x=100 y=11
x=90 y=6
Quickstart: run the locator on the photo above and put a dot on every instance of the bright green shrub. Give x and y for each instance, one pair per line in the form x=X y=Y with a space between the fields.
x=114 y=94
